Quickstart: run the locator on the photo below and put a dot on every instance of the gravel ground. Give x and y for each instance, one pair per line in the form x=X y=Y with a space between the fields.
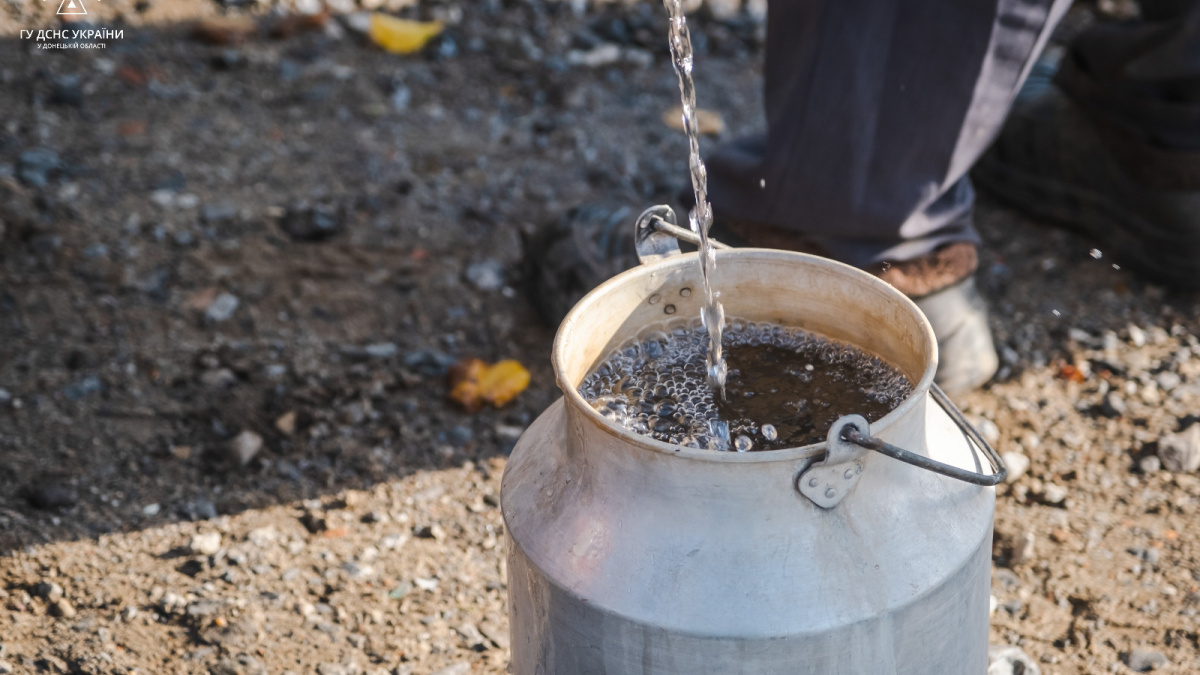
x=232 y=279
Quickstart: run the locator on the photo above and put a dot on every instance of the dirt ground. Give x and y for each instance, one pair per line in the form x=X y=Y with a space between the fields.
x=286 y=241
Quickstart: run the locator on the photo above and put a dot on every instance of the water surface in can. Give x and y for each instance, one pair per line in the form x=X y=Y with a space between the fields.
x=785 y=386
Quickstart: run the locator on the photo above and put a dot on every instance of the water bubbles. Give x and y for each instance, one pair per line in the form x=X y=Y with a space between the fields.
x=743 y=443
x=1096 y=253
x=657 y=385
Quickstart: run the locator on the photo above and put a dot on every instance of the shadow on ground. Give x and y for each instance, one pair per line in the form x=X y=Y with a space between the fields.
x=290 y=239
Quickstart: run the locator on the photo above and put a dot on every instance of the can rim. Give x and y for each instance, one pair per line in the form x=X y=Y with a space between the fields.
x=576 y=401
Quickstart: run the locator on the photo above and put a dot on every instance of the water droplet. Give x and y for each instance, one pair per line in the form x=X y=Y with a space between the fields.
x=1096 y=253
x=685 y=292
x=743 y=444
x=655 y=298
x=669 y=309
x=769 y=432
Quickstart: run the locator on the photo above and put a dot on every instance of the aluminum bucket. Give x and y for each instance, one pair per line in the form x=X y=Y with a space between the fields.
x=631 y=556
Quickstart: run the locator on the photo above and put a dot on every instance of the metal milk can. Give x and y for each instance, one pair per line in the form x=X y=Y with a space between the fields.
x=869 y=553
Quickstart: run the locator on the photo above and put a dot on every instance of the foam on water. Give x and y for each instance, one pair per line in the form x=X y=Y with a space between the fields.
x=786 y=386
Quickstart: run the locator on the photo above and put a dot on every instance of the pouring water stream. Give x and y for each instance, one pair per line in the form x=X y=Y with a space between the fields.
x=700 y=218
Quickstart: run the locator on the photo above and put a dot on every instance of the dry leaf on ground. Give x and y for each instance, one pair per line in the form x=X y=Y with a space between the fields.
x=710 y=122
x=473 y=383
x=401 y=36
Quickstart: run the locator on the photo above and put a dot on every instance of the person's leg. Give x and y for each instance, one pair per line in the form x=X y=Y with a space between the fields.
x=1111 y=145
x=875 y=111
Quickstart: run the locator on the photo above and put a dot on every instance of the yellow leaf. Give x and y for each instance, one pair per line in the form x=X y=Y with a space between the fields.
x=501 y=382
x=401 y=36
x=464 y=384
x=473 y=383
x=708 y=122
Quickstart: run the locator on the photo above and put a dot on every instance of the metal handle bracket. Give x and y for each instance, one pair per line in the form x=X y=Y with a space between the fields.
x=656 y=234
x=828 y=482
x=820 y=481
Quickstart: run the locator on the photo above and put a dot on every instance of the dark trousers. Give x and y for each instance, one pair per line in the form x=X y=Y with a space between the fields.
x=877 y=109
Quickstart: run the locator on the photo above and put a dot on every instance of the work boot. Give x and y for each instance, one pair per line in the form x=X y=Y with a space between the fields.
x=1141 y=203
x=566 y=258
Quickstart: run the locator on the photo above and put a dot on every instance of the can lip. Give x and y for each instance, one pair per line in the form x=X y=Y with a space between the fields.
x=575 y=400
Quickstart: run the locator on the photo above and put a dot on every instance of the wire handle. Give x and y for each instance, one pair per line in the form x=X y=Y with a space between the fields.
x=852 y=434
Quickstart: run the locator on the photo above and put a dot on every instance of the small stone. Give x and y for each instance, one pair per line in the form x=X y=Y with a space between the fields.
x=48 y=591
x=314 y=522
x=78 y=390
x=375 y=517
x=487 y=275
x=425 y=584
x=244 y=447
x=6 y=667
x=312 y=223
x=989 y=430
x=1180 y=452
x=5 y=397
x=1144 y=660
x=218 y=379
x=1114 y=405
x=354 y=414
x=392 y=542
x=262 y=536
x=434 y=532
x=242 y=664
x=151 y=510
x=207 y=543
x=605 y=54
x=429 y=494
x=1025 y=548
x=52 y=496
x=495 y=633
x=62 y=609
x=129 y=613
x=181 y=452
x=1137 y=336
x=1167 y=380
x=1150 y=555
x=382 y=350
x=460 y=668
x=1053 y=493
x=1149 y=464
x=217 y=213
x=286 y=423
x=1016 y=463
x=1009 y=660
x=203 y=608
x=34 y=166
x=470 y=634
x=358 y=571
x=429 y=362
x=222 y=308
x=197 y=509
